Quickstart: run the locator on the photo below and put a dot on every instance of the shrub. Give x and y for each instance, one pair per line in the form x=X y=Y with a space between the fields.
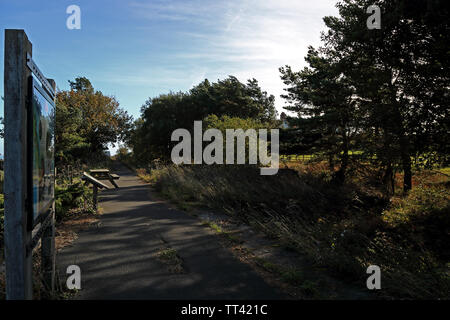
x=71 y=196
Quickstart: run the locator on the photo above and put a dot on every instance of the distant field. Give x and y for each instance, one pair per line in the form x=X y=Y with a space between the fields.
x=297 y=157
x=307 y=157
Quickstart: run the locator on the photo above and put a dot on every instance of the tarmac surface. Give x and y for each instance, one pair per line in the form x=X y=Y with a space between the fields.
x=118 y=257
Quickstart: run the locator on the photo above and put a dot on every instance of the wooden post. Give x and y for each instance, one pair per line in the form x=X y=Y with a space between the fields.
x=17 y=235
x=95 y=192
x=48 y=254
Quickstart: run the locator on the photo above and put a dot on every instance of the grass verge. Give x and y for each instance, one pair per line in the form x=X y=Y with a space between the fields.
x=342 y=230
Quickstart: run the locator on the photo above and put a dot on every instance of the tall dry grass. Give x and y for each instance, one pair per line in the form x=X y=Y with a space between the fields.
x=340 y=228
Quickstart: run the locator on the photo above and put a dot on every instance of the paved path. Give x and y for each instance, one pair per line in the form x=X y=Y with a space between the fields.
x=118 y=258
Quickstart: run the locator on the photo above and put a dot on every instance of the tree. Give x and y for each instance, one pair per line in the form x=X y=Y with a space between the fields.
x=87 y=121
x=399 y=75
x=82 y=84
x=232 y=98
x=400 y=72
x=246 y=125
x=322 y=98
x=160 y=116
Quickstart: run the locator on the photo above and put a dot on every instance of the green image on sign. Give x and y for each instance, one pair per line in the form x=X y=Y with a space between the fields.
x=42 y=116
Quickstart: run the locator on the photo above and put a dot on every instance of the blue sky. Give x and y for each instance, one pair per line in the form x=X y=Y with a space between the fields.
x=135 y=49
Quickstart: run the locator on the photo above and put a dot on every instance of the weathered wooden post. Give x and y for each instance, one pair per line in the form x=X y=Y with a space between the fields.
x=29 y=174
x=95 y=196
x=48 y=253
x=17 y=235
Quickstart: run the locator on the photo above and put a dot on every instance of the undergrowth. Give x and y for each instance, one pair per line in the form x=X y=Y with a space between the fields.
x=343 y=229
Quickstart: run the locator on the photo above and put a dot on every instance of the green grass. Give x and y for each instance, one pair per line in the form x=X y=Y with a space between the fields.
x=308 y=157
x=269 y=266
x=170 y=257
x=214 y=226
x=221 y=231
x=296 y=157
x=169 y=254
x=291 y=276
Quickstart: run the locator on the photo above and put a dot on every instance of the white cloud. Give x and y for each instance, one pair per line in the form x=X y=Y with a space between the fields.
x=248 y=39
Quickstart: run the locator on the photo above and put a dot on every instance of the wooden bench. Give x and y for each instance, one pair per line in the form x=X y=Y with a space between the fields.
x=96 y=184
x=104 y=174
x=115 y=176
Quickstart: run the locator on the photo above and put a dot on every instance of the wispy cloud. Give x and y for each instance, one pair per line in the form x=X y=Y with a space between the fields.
x=249 y=38
x=196 y=11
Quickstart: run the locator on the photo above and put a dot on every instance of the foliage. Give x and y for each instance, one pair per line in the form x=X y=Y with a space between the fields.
x=389 y=85
x=72 y=196
x=151 y=135
x=225 y=122
x=430 y=160
x=322 y=97
x=87 y=121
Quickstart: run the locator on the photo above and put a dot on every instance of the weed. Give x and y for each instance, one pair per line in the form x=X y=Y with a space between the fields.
x=228 y=236
x=169 y=256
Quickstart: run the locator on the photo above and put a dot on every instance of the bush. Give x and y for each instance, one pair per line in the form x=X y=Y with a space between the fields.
x=71 y=196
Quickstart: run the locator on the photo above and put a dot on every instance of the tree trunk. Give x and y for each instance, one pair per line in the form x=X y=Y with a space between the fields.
x=388 y=179
x=331 y=162
x=404 y=149
x=407 y=173
x=340 y=175
x=406 y=161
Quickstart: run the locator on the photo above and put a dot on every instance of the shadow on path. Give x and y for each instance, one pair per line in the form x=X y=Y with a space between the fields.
x=118 y=257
